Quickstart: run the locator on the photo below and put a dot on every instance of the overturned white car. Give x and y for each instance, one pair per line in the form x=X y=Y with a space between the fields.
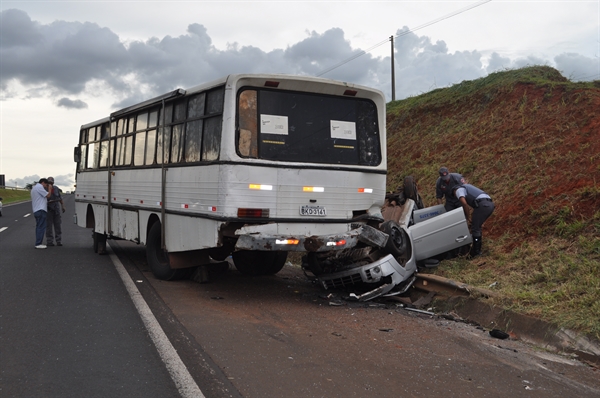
x=386 y=256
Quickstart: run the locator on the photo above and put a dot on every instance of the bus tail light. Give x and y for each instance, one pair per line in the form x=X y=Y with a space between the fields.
x=253 y=213
x=287 y=241
x=341 y=242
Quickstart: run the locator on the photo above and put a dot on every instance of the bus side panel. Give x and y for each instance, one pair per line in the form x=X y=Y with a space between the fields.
x=100 y=217
x=192 y=189
x=125 y=224
x=136 y=188
x=99 y=214
x=190 y=233
x=80 y=210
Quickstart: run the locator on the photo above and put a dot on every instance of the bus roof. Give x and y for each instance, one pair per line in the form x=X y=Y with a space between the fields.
x=96 y=123
x=283 y=81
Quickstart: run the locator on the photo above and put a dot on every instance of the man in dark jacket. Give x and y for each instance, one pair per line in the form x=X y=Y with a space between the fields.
x=483 y=207
x=443 y=188
x=56 y=207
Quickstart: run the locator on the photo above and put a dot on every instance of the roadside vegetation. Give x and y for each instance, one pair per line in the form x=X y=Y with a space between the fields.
x=531 y=139
x=14 y=195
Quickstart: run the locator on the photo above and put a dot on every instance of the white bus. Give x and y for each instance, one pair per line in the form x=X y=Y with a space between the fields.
x=252 y=166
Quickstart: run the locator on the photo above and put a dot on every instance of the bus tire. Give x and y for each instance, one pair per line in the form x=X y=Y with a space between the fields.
x=158 y=259
x=257 y=263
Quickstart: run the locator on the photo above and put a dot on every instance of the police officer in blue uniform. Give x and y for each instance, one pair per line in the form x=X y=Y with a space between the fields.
x=483 y=207
x=443 y=188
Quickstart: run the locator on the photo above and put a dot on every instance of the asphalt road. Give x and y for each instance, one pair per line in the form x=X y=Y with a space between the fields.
x=68 y=327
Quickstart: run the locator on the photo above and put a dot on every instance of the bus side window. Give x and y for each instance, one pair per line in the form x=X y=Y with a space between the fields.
x=214 y=101
x=83 y=159
x=103 y=155
x=150 y=146
x=176 y=143
x=93 y=153
x=196 y=106
x=104 y=131
x=248 y=124
x=193 y=140
x=139 y=148
x=91 y=134
x=212 y=138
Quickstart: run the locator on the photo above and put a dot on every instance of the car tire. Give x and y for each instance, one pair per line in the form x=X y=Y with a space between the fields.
x=397 y=243
x=411 y=191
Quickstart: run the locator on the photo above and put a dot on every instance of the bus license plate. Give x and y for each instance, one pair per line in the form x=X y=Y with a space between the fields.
x=313 y=211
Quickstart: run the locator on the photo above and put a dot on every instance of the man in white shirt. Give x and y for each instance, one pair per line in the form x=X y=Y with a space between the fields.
x=39 y=203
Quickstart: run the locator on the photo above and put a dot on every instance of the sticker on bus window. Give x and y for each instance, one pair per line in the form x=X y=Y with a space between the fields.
x=272 y=124
x=343 y=130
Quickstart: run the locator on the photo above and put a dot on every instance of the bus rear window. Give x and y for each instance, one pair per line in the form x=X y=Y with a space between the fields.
x=302 y=127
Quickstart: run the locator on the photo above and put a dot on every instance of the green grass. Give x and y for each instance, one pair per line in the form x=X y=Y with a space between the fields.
x=14 y=195
x=555 y=279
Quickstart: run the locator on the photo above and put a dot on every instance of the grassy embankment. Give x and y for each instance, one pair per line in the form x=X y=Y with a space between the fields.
x=531 y=139
x=14 y=195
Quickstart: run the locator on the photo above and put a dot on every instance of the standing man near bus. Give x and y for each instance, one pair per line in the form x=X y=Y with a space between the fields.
x=443 y=188
x=56 y=207
x=39 y=204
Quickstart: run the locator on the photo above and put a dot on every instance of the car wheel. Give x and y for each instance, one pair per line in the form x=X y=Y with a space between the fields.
x=411 y=192
x=397 y=243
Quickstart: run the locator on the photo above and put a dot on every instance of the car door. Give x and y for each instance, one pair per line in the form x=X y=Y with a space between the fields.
x=440 y=234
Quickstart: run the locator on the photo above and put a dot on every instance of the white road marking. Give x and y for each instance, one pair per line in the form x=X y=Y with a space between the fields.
x=179 y=373
x=27 y=215
x=3 y=228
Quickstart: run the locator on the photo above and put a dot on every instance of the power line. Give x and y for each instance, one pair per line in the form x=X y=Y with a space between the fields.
x=403 y=33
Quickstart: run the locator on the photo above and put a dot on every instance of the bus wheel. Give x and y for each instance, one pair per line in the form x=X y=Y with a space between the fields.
x=99 y=242
x=256 y=263
x=158 y=259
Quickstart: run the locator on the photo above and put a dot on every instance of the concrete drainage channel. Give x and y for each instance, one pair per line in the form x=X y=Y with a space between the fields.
x=458 y=301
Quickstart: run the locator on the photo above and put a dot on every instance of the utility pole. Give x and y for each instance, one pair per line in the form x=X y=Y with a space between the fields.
x=393 y=73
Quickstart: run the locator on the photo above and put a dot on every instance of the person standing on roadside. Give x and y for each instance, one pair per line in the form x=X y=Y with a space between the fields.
x=483 y=207
x=443 y=188
x=39 y=204
x=56 y=207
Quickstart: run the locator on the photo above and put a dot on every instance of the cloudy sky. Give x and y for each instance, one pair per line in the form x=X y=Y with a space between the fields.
x=67 y=63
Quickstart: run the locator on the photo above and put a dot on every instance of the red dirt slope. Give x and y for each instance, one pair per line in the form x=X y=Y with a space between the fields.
x=528 y=137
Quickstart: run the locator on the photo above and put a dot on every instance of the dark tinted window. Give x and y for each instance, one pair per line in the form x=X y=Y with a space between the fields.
x=301 y=127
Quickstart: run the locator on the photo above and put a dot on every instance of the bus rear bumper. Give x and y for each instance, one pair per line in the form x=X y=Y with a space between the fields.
x=313 y=243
